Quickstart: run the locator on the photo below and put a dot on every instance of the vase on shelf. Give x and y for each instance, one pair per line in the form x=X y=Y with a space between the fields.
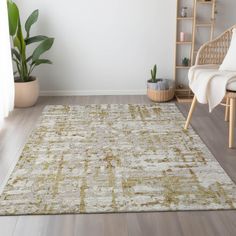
x=184 y=12
x=182 y=36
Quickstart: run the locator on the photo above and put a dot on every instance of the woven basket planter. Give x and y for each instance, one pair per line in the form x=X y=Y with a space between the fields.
x=161 y=95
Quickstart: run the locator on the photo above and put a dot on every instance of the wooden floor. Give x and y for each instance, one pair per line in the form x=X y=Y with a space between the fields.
x=212 y=129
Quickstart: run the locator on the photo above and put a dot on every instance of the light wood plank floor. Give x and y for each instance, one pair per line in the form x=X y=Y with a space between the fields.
x=212 y=129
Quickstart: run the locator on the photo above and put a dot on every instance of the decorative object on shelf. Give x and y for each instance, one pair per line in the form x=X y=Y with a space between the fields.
x=186 y=61
x=180 y=86
x=182 y=36
x=184 y=12
x=183 y=95
x=26 y=85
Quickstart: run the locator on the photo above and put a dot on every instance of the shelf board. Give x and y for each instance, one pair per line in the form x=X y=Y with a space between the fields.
x=185 y=42
x=205 y=2
x=203 y=24
x=182 y=90
x=184 y=18
x=182 y=67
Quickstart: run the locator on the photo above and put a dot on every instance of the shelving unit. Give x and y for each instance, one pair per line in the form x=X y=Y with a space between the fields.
x=183 y=93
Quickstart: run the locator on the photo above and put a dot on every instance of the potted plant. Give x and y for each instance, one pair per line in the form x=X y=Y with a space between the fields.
x=153 y=81
x=157 y=84
x=26 y=85
x=185 y=61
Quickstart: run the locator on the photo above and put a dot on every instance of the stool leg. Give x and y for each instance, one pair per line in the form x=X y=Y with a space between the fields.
x=194 y=102
x=232 y=122
x=227 y=109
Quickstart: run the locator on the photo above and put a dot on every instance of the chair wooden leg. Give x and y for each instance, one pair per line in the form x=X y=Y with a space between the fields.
x=232 y=122
x=227 y=109
x=194 y=102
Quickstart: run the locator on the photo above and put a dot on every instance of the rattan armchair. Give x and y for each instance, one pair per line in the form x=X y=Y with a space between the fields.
x=214 y=52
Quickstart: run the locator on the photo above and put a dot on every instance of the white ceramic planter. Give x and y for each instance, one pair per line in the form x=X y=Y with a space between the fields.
x=26 y=93
x=151 y=85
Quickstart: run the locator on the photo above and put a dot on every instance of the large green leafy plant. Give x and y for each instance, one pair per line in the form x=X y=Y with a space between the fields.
x=25 y=64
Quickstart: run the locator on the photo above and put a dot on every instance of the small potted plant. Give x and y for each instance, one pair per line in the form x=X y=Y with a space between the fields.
x=157 y=83
x=185 y=61
x=159 y=90
x=153 y=81
x=26 y=85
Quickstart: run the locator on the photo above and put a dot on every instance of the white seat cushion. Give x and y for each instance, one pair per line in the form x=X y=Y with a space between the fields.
x=231 y=86
x=213 y=68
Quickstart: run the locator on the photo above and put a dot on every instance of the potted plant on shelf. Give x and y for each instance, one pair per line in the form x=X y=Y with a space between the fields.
x=185 y=61
x=26 y=85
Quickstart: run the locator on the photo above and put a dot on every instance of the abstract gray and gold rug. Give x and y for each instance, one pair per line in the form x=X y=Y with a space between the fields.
x=115 y=158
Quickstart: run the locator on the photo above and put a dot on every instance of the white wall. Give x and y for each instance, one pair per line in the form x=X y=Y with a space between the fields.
x=105 y=46
x=226 y=16
x=108 y=46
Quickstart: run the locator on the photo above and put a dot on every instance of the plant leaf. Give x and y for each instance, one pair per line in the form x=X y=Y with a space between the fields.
x=28 y=59
x=13 y=17
x=43 y=47
x=15 y=53
x=17 y=43
x=17 y=65
x=155 y=71
x=35 y=39
x=17 y=62
x=30 y=21
x=41 y=61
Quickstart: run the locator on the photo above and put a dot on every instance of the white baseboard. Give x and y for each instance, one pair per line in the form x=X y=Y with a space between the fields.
x=91 y=92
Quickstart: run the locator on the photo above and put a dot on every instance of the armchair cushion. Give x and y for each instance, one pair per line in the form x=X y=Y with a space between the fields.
x=231 y=86
x=229 y=63
x=209 y=84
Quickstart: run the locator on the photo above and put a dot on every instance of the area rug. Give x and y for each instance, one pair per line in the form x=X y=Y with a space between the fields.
x=115 y=158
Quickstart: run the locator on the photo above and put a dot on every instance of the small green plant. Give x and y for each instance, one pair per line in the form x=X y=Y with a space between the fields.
x=185 y=61
x=153 y=75
x=26 y=64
